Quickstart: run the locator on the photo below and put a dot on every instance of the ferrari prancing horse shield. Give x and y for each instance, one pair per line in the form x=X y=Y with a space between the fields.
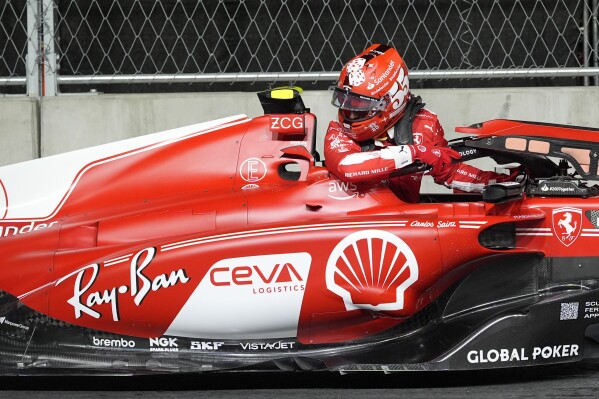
x=567 y=224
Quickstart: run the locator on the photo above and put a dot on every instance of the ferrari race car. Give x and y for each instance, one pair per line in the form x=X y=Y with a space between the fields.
x=228 y=245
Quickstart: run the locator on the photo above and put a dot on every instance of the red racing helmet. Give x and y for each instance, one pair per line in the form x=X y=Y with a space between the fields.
x=372 y=92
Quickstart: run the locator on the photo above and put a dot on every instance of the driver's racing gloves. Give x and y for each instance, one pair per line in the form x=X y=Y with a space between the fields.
x=467 y=178
x=436 y=157
x=516 y=174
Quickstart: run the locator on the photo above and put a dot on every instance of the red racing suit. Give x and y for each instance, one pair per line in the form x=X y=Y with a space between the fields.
x=346 y=159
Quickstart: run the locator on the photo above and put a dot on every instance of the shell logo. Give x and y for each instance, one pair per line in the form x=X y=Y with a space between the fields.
x=371 y=269
x=3 y=201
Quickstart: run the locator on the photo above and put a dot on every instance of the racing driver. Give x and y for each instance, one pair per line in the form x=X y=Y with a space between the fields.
x=382 y=128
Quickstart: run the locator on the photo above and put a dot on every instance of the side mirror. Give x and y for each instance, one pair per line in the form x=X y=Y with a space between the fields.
x=298 y=151
x=282 y=100
x=500 y=192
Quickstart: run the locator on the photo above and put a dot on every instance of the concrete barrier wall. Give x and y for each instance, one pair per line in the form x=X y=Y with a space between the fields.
x=18 y=129
x=70 y=122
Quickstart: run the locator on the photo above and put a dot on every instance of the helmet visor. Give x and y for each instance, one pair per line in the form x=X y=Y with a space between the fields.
x=346 y=100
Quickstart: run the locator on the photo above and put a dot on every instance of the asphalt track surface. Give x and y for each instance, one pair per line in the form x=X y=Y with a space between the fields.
x=580 y=380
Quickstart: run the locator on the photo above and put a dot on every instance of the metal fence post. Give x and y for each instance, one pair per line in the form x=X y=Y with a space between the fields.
x=32 y=73
x=595 y=38
x=49 y=72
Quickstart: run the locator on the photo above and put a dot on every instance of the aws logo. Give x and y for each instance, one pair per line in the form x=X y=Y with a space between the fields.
x=342 y=191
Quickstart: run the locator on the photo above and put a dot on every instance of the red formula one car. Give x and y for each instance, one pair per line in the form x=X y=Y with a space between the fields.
x=227 y=245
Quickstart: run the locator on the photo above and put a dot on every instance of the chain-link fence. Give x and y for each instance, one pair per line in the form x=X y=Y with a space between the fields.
x=75 y=45
x=13 y=42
